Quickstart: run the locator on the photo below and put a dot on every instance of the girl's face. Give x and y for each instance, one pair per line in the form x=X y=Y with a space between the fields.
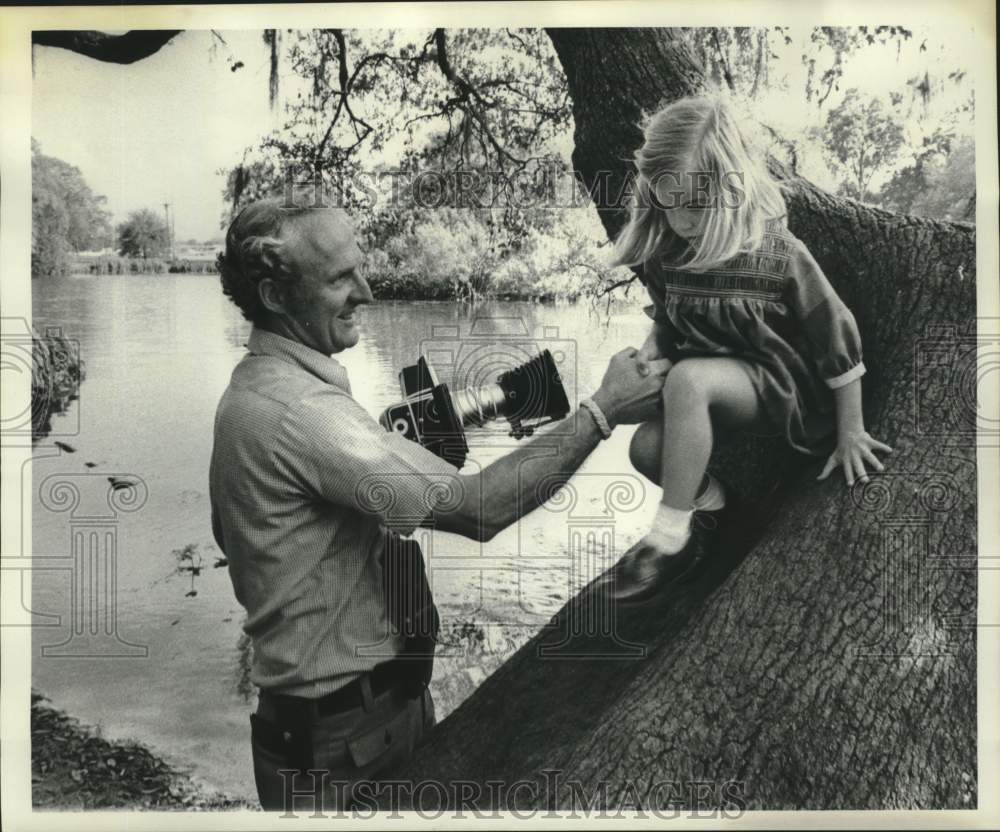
x=686 y=207
x=686 y=221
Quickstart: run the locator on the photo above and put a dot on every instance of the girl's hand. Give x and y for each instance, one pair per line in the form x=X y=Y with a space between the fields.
x=854 y=451
x=649 y=352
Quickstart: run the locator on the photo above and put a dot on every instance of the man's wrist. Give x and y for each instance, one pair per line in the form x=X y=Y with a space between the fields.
x=606 y=407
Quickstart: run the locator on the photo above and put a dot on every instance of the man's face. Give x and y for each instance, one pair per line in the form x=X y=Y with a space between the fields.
x=320 y=307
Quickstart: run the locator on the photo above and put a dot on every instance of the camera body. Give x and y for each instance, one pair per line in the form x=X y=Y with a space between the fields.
x=528 y=396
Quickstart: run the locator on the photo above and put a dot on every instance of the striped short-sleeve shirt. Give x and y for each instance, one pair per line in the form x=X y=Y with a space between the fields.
x=303 y=484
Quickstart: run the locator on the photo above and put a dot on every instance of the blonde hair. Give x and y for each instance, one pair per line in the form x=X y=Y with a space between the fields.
x=700 y=136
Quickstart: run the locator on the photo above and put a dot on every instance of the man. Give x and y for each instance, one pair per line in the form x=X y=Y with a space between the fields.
x=293 y=465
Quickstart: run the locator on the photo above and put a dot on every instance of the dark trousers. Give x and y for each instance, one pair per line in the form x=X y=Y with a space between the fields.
x=316 y=769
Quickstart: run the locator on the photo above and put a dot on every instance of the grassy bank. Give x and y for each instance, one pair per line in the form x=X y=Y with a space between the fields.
x=73 y=767
x=56 y=374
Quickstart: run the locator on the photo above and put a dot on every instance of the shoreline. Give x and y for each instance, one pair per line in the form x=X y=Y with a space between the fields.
x=383 y=292
x=74 y=768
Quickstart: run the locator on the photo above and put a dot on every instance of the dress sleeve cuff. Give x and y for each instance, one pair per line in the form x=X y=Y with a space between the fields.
x=843 y=379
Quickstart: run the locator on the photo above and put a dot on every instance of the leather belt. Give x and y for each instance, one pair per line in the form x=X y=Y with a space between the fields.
x=294 y=710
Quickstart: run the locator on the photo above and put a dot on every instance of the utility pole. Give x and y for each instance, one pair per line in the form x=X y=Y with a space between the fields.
x=170 y=235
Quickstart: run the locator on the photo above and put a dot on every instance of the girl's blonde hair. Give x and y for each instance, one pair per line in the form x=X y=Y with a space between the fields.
x=700 y=136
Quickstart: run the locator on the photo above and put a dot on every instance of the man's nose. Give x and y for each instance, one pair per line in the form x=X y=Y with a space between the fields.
x=362 y=291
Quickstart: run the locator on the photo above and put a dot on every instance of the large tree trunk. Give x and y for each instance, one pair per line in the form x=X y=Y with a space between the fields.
x=825 y=659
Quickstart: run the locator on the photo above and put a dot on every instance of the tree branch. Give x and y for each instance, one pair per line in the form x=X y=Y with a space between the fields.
x=469 y=97
x=727 y=73
x=115 y=49
x=610 y=287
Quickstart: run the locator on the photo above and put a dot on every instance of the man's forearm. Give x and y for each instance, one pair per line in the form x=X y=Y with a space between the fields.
x=509 y=488
x=517 y=483
x=521 y=481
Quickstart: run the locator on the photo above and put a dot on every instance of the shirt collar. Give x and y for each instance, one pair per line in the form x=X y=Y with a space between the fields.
x=327 y=368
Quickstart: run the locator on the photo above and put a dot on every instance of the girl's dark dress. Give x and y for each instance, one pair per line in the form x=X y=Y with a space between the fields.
x=775 y=310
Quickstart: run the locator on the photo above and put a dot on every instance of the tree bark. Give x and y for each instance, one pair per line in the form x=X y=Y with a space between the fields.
x=826 y=657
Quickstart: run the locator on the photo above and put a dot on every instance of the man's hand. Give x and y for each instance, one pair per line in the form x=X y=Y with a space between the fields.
x=631 y=389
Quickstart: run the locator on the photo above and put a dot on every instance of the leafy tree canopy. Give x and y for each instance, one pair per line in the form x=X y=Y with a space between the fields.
x=489 y=111
x=144 y=234
x=66 y=216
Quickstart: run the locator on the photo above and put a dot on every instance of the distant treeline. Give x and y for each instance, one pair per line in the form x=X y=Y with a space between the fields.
x=435 y=267
x=114 y=264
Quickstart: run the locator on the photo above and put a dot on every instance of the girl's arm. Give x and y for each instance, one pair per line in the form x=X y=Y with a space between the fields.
x=836 y=343
x=855 y=447
x=650 y=349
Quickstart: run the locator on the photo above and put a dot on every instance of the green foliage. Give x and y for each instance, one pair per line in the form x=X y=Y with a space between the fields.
x=66 y=216
x=833 y=45
x=144 y=234
x=247 y=182
x=467 y=254
x=864 y=137
x=738 y=58
x=493 y=105
x=488 y=98
x=941 y=183
x=494 y=123
x=113 y=264
x=427 y=94
x=741 y=58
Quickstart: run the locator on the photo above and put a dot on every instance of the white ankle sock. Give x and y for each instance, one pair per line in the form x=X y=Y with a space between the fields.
x=670 y=530
x=712 y=498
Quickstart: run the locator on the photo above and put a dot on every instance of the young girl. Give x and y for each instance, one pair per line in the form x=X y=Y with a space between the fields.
x=759 y=339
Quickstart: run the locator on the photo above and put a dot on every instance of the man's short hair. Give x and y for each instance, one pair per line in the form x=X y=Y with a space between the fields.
x=254 y=251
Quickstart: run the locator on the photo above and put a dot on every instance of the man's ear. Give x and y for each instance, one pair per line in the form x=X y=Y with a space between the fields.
x=273 y=295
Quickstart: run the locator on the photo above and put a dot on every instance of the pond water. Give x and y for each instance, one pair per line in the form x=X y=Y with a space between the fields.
x=129 y=648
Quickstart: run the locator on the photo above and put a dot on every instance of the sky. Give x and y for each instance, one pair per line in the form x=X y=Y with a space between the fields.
x=159 y=130
x=877 y=70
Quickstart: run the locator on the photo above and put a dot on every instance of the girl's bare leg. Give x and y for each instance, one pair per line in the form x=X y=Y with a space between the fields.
x=699 y=395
